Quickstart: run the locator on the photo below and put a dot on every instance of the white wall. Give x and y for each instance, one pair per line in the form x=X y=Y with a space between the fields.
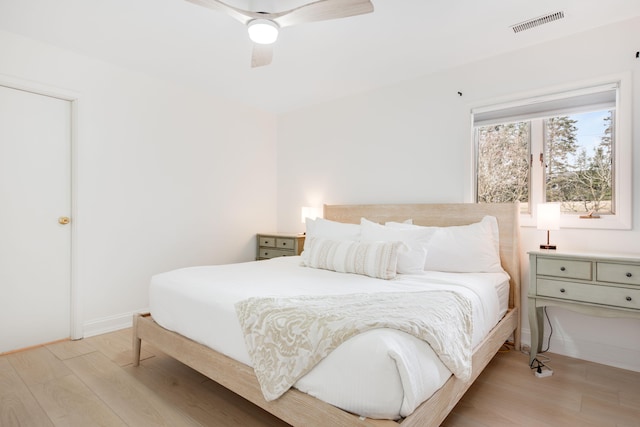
x=166 y=177
x=411 y=143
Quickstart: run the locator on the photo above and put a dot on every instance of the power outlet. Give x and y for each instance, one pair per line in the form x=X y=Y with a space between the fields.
x=546 y=372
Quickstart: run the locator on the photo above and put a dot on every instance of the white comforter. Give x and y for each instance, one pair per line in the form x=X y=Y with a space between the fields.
x=381 y=373
x=287 y=337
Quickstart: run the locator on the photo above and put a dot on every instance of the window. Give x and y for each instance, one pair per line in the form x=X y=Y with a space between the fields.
x=503 y=163
x=571 y=147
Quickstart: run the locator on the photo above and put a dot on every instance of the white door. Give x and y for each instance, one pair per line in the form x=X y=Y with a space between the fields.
x=35 y=197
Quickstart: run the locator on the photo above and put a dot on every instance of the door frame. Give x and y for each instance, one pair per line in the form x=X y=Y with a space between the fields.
x=75 y=320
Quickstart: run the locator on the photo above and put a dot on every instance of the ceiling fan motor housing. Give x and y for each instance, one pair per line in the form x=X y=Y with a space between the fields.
x=263 y=31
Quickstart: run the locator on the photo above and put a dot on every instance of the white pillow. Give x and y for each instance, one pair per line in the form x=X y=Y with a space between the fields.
x=406 y=221
x=406 y=225
x=321 y=227
x=327 y=229
x=411 y=260
x=473 y=248
x=373 y=259
x=470 y=248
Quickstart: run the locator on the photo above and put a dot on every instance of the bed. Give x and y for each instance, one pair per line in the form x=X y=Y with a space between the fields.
x=298 y=408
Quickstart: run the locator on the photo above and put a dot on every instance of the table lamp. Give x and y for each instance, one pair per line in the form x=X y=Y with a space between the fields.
x=548 y=219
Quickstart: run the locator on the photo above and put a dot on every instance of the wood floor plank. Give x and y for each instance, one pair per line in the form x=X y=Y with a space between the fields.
x=72 y=348
x=612 y=378
x=260 y=418
x=604 y=411
x=117 y=346
x=18 y=407
x=69 y=402
x=579 y=393
x=519 y=386
x=510 y=407
x=192 y=393
x=37 y=365
x=630 y=398
x=136 y=404
x=476 y=416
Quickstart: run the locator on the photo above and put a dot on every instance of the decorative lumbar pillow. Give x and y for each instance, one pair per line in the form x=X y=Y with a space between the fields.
x=411 y=260
x=327 y=229
x=373 y=259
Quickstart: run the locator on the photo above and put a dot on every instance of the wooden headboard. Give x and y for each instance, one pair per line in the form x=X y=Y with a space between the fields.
x=443 y=215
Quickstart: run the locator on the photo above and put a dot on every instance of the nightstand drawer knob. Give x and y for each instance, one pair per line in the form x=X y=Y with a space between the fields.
x=562 y=269
x=628 y=298
x=629 y=274
x=562 y=290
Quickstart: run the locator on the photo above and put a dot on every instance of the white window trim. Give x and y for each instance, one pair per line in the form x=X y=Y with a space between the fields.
x=622 y=220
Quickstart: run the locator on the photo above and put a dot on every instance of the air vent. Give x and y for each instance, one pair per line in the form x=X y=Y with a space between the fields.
x=536 y=22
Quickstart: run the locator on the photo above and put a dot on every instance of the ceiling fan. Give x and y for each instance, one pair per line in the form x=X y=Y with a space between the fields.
x=263 y=26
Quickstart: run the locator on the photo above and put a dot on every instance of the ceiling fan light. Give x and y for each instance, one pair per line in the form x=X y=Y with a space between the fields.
x=263 y=31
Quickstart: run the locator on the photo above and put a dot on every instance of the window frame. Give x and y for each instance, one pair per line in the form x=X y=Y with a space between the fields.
x=622 y=168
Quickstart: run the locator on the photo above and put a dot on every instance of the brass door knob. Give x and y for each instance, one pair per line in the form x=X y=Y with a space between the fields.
x=63 y=220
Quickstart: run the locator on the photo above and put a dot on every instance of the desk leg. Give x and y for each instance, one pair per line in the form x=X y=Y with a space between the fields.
x=536 y=325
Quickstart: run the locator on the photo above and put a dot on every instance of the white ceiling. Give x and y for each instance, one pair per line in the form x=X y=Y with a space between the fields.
x=315 y=62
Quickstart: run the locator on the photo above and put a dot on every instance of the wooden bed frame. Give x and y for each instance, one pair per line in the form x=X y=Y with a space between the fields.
x=301 y=409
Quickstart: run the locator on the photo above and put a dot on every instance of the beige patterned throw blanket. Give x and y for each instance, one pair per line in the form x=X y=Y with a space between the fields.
x=287 y=337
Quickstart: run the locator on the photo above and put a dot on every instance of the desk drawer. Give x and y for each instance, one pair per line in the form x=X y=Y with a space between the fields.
x=596 y=294
x=570 y=269
x=618 y=273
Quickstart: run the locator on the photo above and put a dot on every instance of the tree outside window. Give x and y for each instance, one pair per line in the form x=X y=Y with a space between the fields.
x=579 y=164
x=503 y=163
x=575 y=152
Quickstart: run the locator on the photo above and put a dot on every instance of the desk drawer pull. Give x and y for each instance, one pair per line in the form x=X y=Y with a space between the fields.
x=562 y=269
x=562 y=290
x=629 y=274
x=628 y=298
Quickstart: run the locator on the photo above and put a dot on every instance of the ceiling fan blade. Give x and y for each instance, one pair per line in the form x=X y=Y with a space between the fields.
x=262 y=55
x=243 y=16
x=321 y=10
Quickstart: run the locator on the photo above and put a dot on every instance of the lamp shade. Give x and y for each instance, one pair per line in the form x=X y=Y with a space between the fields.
x=549 y=216
x=263 y=31
x=310 y=212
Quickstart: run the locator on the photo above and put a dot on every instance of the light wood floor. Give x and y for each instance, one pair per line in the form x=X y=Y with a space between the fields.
x=91 y=382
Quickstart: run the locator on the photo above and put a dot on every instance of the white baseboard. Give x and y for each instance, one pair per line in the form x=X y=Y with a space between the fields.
x=619 y=357
x=110 y=323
